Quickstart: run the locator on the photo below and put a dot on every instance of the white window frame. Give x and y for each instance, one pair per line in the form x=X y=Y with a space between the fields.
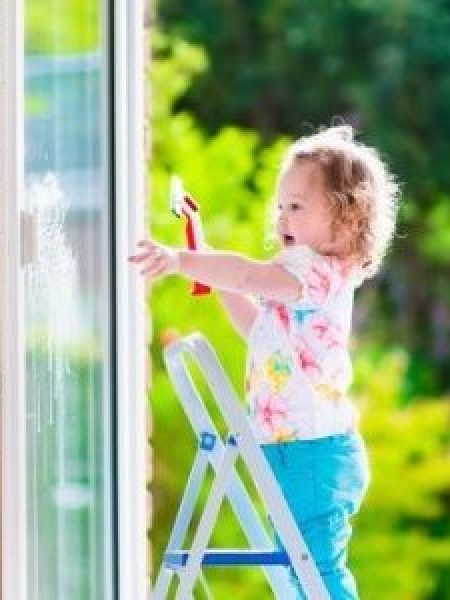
x=13 y=476
x=130 y=310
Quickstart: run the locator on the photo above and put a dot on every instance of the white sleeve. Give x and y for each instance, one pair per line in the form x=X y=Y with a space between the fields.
x=315 y=273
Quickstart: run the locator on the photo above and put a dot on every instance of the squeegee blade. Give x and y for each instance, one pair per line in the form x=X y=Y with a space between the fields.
x=176 y=195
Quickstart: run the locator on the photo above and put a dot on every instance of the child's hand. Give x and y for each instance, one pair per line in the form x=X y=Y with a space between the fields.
x=158 y=260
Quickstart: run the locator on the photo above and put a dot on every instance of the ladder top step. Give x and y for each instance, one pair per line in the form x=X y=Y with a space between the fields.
x=226 y=557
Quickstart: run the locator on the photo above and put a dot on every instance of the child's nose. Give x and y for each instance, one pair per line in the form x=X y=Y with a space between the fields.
x=282 y=217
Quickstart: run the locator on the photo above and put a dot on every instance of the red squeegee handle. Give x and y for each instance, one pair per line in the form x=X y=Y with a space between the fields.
x=198 y=288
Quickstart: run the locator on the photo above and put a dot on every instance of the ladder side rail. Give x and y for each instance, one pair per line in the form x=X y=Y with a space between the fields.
x=236 y=420
x=189 y=574
x=205 y=586
x=182 y=520
x=237 y=494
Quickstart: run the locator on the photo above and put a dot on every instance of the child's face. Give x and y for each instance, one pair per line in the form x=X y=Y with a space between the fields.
x=303 y=216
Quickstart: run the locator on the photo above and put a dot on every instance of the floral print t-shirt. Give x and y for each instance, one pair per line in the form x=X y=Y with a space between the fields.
x=298 y=366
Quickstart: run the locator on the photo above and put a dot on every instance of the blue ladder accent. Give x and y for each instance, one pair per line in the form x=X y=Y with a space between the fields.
x=207 y=440
x=230 y=558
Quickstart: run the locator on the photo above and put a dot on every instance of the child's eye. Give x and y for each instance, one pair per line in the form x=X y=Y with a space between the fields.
x=294 y=206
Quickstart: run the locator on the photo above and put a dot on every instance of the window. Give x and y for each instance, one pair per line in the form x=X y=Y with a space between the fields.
x=68 y=303
x=71 y=320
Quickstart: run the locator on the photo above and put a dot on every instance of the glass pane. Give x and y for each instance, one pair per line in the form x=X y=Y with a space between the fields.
x=69 y=452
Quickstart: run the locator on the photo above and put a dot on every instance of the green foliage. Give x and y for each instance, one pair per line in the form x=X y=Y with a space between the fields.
x=232 y=174
x=435 y=241
x=277 y=64
x=401 y=542
x=288 y=66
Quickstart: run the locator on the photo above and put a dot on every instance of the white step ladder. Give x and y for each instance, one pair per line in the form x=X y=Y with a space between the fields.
x=222 y=456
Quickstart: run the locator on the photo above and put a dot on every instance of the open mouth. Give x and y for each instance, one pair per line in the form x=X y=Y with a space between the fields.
x=288 y=240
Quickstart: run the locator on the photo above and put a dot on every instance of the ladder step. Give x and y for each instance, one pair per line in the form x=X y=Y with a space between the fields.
x=225 y=557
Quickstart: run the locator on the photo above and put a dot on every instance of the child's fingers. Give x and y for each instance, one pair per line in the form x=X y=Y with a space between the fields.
x=149 y=245
x=137 y=258
x=155 y=260
x=152 y=251
x=157 y=263
x=152 y=273
x=155 y=269
x=140 y=257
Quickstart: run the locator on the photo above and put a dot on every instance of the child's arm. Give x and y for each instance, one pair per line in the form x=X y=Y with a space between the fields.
x=241 y=310
x=236 y=273
x=221 y=270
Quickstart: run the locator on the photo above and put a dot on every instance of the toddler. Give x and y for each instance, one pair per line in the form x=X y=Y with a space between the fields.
x=336 y=211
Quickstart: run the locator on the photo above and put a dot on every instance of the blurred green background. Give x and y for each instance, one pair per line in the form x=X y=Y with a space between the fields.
x=232 y=84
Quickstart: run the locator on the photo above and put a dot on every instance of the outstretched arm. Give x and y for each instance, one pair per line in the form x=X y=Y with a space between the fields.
x=236 y=273
x=241 y=310
x=222 y=270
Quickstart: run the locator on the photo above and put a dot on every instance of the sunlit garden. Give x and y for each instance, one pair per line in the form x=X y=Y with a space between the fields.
x=232 y=84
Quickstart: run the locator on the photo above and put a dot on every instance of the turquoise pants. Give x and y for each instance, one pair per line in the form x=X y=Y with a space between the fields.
x=324 y=481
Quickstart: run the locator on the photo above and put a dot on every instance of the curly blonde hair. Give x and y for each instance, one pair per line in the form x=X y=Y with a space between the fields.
x=362 y=192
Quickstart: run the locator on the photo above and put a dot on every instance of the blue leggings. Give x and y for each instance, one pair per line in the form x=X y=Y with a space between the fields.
x=324 y=481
